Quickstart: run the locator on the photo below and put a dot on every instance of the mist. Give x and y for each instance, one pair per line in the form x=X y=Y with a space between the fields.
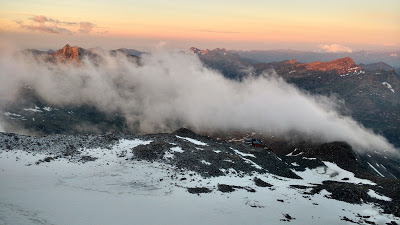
x=172 y=89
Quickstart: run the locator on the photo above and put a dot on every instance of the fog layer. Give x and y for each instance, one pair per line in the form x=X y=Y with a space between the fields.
x=173 y=89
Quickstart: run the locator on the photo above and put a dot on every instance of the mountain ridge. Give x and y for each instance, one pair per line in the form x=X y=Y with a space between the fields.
x=341 y=66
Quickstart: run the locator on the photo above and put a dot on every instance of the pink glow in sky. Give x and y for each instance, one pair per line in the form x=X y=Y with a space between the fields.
x=342 y=25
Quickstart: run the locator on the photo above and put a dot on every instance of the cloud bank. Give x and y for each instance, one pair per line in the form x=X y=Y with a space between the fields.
x=49 y=25
x=336 y=48
x=173 y=89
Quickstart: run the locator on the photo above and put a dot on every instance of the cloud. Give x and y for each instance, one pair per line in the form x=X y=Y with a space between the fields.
x=49 y=25
x=39 y=19
x=336 y=48
x=161 y=44
x=47 y=29
x=392 y=44
x=171 y=89
x=44 y=19
x=219 y=32
x=86 y=27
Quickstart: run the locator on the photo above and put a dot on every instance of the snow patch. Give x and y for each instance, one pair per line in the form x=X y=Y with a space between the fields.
x=36 y=109
x=377 y=171
x=253 y=164
x=177 y=149
x=241 y=153
x=194 y=141
x=386 y=84
x=48 y=109
x=331 y=172
x=373 y=194
x=205 y=162
x=9 y=114
x=168 y=155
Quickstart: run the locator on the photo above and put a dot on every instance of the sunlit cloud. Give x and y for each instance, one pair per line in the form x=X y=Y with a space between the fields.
x=390 y=44
x=47 y=29
x=39 y=19
x=219 y=32
x=43 y=19
x=54 y=26
x=335 y=48
x=161 y=44
x=86 y=27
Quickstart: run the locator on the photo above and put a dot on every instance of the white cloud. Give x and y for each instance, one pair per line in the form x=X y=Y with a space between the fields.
x=335 y=48
x=173 y=89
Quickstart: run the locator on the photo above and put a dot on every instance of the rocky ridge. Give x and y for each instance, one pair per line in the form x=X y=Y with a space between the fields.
x=70 y=54
x=340 y=66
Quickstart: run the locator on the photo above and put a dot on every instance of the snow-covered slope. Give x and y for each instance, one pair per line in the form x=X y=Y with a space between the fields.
x=176 y=178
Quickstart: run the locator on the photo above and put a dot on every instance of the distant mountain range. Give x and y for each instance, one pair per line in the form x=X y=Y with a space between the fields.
x=391 y=57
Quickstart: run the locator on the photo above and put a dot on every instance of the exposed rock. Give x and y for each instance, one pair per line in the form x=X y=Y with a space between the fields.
x=151 y=152
x=287 y=218
x=198 y=190
x=347 y=192
x=341 y=66
x=261 y=183
x=69 y=54
x=231 y=188
x=225 y=188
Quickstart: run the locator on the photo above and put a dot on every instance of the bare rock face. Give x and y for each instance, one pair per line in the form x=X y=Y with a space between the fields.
x=292 y=61
x=227 y=62
x=199 y=51
x=341 y=66
x=69 y=54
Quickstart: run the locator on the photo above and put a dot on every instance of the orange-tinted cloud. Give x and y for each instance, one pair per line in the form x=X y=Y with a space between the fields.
x=86 y=27
x=44 y=19
x=335 y=48
x=48 y=29
x=39 y=19
x=49 y=25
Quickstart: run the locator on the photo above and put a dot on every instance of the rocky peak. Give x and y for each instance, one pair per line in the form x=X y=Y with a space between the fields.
x=68 y=53
x=199 y=51
x=220 y=50
x=217 y=51
x=292 y=61
x=341 y=66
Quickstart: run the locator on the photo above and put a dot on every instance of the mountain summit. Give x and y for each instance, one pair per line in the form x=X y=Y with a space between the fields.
x=341 y=66
x=70 y=54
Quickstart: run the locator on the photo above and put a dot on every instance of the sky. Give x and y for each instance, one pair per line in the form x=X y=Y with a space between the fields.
x=315 y=25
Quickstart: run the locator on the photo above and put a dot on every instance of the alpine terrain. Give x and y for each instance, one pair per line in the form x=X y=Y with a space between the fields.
x=182 y=178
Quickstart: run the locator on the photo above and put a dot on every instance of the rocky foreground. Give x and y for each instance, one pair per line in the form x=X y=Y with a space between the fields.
x=180 y=178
